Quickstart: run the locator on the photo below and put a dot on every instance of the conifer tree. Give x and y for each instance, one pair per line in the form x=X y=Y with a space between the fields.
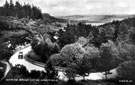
x=11 y=8
x=6 y=9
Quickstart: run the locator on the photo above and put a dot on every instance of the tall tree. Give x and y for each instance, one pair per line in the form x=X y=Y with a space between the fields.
x=18 y=8
x=6 y=9
x=11 y=7
x=1 y=11
x=36 y=13
x=109 y=57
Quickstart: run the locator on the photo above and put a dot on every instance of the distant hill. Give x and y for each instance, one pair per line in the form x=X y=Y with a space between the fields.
x=95 y=18
x=47 y=17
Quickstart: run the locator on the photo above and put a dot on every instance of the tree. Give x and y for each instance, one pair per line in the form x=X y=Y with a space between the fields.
x=76 y=59
x=126 y=71
x=27 y=10
x=123 y=31
x=126 y=51
x=84 y=66
x=19 y=71
x=11 y=7
x=1 y=11
x=57 y=60
x=68 y=57
x=6 y=8
x=82 y=41
x=72 y=52
x=93 y=54
x=106 y=33
x=44 y=48
x=24 y=71
x=71 y=33
x=109 y=57
x=18 y=10
x=34 y=74
x=65 y=37
x=51 y=72
x=5 y=52
x=36 y=13
x=87 y=63
x=132 y=35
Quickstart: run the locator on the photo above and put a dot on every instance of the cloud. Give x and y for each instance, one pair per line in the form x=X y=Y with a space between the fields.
x=83 y=7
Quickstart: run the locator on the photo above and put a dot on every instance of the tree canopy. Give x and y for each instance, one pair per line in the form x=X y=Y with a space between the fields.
x=20 y=11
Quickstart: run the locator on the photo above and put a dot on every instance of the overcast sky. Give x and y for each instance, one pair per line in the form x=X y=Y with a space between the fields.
x=82 y=7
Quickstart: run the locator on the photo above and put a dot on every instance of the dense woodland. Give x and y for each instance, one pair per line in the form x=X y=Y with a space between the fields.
x=86 y=48
x=80 y=48
x=20 y=11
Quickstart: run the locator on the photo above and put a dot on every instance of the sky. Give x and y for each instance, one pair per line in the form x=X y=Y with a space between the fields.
x=82 y=7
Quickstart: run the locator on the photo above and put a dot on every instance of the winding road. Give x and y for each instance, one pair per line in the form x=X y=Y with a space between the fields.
x=14 y=60
x=34 y=65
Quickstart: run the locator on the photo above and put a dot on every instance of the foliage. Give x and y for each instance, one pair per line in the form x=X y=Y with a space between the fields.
x=5 y=52
x=77 y=59
x=132 y=35
x=45 y=49
x=72 y=33
x=109 y=57
x=84 y=48
x=101 y=49
x=33 y=56
x=10 y=38
x=116 y=30
x=93 y=54
x=51 y=72
x=42 y=50
x=19 y=71
x=126 y=51
x=57 y=60
x=34 y=74
x=20 y=11
x=72 y=52
x=65 y=38
x=84 y=66
x=126 y=71
x=82 y=41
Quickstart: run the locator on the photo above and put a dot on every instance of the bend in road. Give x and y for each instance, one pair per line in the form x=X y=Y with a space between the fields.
x=14 y=60
x=34 y=65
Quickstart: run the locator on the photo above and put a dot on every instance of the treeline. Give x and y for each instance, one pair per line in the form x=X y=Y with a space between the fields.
x=115 y=31
x=20 y=11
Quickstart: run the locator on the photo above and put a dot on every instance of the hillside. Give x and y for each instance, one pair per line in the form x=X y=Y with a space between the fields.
x=48 y=18
x=114 y=39
x=15 y=31
x=93 y=19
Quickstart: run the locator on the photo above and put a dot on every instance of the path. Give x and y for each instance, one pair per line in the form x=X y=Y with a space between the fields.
x=14 y=60
x=34 y=65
